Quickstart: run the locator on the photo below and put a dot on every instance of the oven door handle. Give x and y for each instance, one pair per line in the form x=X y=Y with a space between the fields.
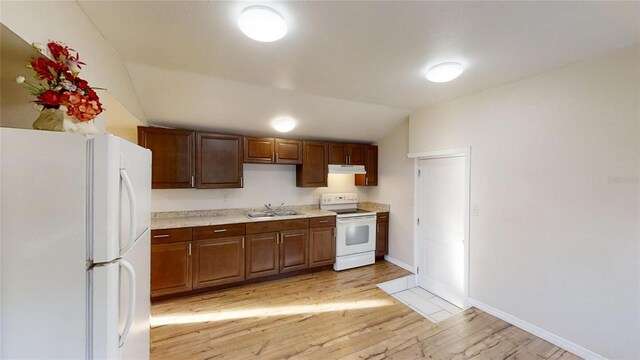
x=362 y=219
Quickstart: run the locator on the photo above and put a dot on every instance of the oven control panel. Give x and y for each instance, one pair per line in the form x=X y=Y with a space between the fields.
x=336 y=199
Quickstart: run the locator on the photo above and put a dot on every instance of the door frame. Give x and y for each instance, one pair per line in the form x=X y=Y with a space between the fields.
x=440 y=154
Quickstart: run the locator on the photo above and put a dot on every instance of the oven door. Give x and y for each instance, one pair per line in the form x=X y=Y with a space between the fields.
x=355 y=235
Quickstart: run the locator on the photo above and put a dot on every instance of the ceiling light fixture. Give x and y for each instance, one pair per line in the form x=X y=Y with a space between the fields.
x=444 y=72
x=262 y=23
x=284 y=124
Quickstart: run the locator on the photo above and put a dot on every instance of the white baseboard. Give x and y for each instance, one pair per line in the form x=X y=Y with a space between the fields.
x=541 y=333
x=400 y=263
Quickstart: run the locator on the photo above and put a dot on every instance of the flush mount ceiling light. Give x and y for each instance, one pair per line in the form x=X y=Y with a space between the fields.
x=444 y=72
x=283 y=124
x=262 y=23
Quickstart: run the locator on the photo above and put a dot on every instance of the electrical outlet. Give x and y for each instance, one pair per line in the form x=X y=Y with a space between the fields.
x=225 y=196
x=475 y=211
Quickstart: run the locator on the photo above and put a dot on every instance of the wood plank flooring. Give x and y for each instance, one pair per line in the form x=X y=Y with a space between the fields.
x=330 y=315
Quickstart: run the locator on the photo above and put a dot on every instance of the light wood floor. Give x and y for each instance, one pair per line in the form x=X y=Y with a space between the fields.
x=330 y=315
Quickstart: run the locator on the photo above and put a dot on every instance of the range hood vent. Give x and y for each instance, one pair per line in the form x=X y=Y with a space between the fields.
x=346 y=169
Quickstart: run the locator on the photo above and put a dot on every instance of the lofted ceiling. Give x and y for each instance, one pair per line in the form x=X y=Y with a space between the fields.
x=345 y=70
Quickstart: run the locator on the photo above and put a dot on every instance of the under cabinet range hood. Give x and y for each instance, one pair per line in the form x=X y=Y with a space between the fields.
x=346 y=169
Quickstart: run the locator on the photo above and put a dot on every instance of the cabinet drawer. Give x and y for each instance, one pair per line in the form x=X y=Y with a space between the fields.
x=383 y=217
x=218 y=231
x=273 y=226
x=324 y=221
x=170 y=235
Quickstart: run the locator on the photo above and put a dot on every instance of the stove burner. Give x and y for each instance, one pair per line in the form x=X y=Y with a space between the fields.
x=350 y=211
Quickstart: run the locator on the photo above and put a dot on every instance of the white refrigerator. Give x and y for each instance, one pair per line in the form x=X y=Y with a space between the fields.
x=74 y=246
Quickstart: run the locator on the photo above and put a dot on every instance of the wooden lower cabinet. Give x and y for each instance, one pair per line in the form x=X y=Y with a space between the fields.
x=170 y=268
x=277 y=252
x=262 y=254
x=382 y=234
x=218 y=261
x=294 y=250
x=188 y=259
x=322 y=246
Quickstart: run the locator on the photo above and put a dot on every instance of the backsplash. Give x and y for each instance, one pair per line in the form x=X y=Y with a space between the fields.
x=263 y=184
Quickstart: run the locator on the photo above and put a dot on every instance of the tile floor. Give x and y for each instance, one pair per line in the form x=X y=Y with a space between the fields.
x=421 y=301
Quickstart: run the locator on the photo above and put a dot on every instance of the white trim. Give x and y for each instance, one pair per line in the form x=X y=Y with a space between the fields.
x=401 y=264
x=539 y=332
x=438 y=154
x=463 y=151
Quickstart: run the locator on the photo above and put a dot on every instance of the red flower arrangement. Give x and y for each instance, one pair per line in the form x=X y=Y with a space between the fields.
x=58 y=82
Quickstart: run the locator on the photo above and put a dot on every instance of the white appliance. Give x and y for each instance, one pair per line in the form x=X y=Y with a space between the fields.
x=355 y=231
x=75 y=258
x=347 y=169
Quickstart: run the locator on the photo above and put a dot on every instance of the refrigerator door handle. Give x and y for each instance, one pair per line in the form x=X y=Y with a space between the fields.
x=133 y=211
x=132 y=300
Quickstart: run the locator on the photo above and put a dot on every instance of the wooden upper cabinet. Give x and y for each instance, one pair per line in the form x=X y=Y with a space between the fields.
x=314 y=170
x=371 y=166
x=272 y=151
x=259 y=150
x=346 y=154
x=288 y=151
x=337 y=154
x=218 y=161
x=356 y=154
x=172 y=154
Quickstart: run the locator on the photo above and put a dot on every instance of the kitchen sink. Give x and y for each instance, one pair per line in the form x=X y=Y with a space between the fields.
x=258 y=215
x=254 y=215
x=287 y=213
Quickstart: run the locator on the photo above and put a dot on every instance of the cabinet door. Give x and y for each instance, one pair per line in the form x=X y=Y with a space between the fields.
x=382 y=238
x=259 y=150
x=170 y=268
x=218 y=261
x=337 y=154
x=315 y=168
x=262 y=255
x=322 y=246
x=288 y=151
x=294 y=250
x=371 y=166
x=218 y=161
x=172 y=154
x=356 y=154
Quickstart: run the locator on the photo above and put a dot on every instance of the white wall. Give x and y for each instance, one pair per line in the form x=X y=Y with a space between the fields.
x=41 y=21
x=555 y=166
x=119 y=121
x=395 y=187
x=263 y=184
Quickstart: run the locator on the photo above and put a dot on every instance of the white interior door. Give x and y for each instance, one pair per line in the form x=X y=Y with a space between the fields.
x=442 y=197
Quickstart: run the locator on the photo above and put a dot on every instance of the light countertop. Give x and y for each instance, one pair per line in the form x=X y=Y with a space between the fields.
x=181 y=219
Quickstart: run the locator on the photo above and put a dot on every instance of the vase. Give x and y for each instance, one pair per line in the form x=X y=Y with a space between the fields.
x=57 y=120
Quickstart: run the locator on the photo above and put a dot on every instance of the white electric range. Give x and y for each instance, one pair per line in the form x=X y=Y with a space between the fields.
x=355 y=231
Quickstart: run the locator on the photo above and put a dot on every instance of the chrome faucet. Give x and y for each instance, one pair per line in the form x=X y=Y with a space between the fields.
x=270 y=210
